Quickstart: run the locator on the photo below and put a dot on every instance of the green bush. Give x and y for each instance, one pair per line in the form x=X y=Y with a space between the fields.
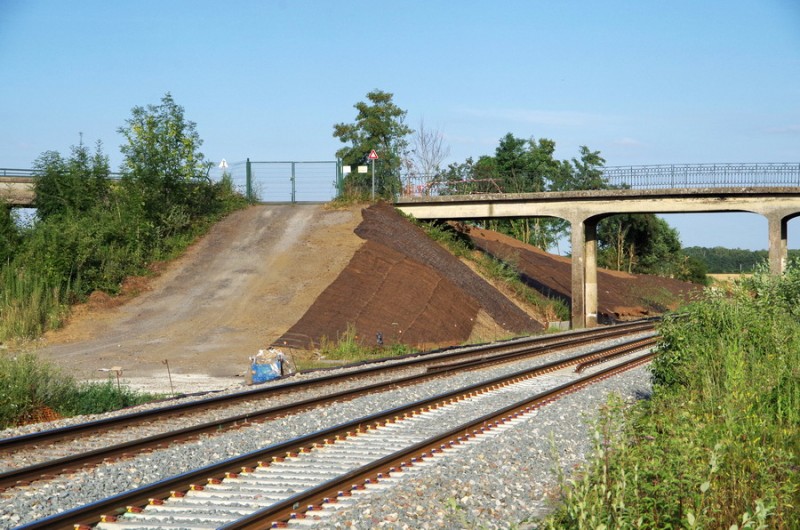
x=718 y=444
x=349 y=347
x=95 y=398
x=28 y=384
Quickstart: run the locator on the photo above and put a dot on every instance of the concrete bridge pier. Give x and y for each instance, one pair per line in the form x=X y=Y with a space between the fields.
x=584 y=272
x=778 y=247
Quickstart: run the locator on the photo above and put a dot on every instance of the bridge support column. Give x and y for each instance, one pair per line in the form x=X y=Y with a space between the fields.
x=591 y=273
x=584 y=273
x=778 y=252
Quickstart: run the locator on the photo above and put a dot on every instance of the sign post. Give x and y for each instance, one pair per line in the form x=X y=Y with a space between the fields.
x=373 y=156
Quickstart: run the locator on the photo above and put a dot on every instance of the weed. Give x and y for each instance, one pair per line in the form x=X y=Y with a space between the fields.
x=28 y=384
x=717 y=445
x=349 y=346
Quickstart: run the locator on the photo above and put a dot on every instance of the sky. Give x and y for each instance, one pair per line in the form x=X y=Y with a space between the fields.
x=641 y=81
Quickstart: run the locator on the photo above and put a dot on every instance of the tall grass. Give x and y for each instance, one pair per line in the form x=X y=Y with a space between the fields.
x=28 y=384
x=29 y=304
x=718 y=444
x=503 y=271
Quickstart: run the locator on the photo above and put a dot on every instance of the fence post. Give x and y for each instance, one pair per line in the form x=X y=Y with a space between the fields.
x=339 y=177
x=293 y=181
x=249 y=182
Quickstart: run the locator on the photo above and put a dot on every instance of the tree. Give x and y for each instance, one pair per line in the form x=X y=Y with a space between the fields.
x=640 y=243
x=427 y=154
x=379 y=126
x=586 y=173
x=72 y=185
x=162 y=161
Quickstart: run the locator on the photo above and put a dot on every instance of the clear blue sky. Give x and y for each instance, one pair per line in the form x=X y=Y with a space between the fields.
x=643 y=82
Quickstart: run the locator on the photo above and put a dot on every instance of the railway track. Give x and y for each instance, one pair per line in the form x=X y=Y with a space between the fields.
x=247 y=469
x=49 y=453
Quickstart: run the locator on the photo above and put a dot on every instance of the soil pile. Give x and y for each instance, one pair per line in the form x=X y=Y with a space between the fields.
x=407 y=289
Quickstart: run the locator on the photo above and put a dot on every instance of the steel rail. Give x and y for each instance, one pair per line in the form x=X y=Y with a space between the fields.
x=283 y=511
x=373 y=366
x=113 y=506
x=25 y=475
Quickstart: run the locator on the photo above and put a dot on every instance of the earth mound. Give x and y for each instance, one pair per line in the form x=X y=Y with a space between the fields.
x=404 y=288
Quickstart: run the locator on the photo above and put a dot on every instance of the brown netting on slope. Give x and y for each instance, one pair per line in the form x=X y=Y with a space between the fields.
x=620 y=295
x=408 y=288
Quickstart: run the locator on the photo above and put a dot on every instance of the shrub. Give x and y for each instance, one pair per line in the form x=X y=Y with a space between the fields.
x=718 y=444
x=29 y=384
x=26 y=385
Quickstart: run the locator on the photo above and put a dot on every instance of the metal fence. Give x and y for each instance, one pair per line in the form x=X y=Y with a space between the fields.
x=292 y=181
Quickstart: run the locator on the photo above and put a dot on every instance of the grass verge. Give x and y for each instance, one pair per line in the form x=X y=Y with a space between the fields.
x=718 y=444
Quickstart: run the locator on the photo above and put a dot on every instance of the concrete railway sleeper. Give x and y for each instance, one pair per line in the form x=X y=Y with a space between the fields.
x=326 y=463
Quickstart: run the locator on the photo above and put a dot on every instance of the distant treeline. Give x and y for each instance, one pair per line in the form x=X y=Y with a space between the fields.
x=720 y=260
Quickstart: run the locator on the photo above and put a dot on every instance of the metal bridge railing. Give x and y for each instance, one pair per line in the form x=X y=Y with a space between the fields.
x=34 y=173
x=24 y=173
x=644 y=177
x=704 y=175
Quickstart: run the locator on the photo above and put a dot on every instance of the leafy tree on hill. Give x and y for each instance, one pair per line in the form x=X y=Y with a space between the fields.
x=640 y=243
x=380 y=126
x=526 y=166
x=91 y=233
x=162 y=162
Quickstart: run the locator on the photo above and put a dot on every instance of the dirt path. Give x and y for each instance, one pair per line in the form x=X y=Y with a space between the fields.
x=235 y=291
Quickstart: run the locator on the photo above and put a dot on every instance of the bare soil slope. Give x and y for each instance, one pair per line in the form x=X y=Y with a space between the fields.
x=233 y=292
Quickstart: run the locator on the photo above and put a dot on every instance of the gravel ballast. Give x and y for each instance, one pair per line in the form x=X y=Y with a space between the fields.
x=495 y=482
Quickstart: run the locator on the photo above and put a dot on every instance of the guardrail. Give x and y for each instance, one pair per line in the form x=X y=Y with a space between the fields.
x=34 y=173
x=11 y=172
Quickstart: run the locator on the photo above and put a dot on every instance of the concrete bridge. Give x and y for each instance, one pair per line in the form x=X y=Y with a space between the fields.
x=584 y=209
x=17 y=190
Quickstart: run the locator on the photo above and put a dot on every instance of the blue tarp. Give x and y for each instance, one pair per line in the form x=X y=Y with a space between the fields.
x=265 y=372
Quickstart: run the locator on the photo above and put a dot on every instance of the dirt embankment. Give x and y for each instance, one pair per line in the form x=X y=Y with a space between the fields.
x=408 y=289
x=275 y=273
x=233 y=292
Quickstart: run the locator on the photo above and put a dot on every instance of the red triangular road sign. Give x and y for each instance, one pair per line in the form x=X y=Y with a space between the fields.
x=372 y=155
